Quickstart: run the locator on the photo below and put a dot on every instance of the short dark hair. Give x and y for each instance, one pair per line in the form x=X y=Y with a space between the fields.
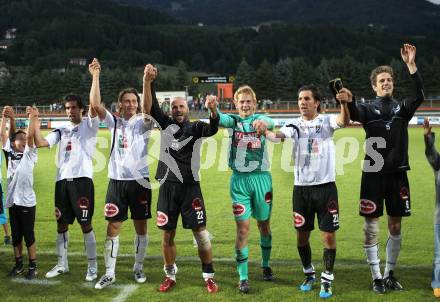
x=130 y=90
x=315 y=93
x=74 y=98
x=380 y=69
x=15 y=134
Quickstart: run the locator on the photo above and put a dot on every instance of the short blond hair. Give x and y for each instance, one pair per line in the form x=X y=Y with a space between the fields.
x=245 y=90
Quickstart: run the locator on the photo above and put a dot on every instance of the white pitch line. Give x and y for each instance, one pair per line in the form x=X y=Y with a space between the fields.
x=36 y=281
x=126 y=290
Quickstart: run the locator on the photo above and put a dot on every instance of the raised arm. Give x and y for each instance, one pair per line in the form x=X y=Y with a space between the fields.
x=430 y=151
x=226 y=120
x=33 y=120
x=96 y=107
x=408 y=53
x=344 y=97
x=150 y=73
x=38 y=139
x=3 y=133
x=11 y=114
x=210 y=129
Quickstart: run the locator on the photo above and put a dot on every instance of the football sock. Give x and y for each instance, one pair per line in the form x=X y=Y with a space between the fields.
x=392 y=250
x=241 y=256
x=266 y=248
x=111 y=248
x=140 y=247
x=372 y=253
x=62 y=245
x=90 y=245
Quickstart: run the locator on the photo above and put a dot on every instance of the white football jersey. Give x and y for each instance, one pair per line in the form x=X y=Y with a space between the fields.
x=313 y=149
x=20 y=184
x=76 y=145
x=129 y=147
x=12 y=159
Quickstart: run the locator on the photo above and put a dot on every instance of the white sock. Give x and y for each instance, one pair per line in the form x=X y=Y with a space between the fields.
x=207 y=276
x=372 y=253
x=62 y=244
x=111 y=248
x=309 y=271
x=170 y=271
x=140 y=247
x=327 y=277
x=90 y=245
x=393 y=250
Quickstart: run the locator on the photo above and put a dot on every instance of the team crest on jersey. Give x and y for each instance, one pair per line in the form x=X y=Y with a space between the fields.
x=332 y=207
x=268 y=197
x=57 y=213
x=404 y=193
x=238 y=209
x=298 y=219
x=162 y=218
x=397 y=109
x=197 y=204
x=69 y=146
x=367 y=206
x=110 y=210
x=83 y=203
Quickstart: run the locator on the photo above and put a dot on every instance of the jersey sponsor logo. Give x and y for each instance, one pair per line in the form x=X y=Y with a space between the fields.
x=83 y=203
x=238 y=209
x=111 y=210
x=197 y=204
x=248 y=139
x=57 y=213
x=332 y=207
x=162 y=218
x=268 y=197
x=298 y=219
x=404 y=193
x=367 y=206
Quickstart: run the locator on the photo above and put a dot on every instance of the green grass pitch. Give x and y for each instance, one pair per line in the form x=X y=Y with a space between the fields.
x=352 y=276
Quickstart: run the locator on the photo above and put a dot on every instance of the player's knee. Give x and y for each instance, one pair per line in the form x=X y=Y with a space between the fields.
x=264 y=227
x=394 y=228
x=371 y=230
x=168 y=239
x=203 y=241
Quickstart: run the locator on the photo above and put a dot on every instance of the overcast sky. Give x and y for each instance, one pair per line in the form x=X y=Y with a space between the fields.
x=435 y=1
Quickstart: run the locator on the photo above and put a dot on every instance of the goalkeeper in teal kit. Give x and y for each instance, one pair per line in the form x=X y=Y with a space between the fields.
x=251 y=182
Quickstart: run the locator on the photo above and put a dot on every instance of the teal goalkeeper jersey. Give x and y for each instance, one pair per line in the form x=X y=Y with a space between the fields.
x=248 y=152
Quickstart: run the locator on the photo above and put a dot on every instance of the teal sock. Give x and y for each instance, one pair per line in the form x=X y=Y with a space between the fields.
x=266 y=248
x=242 y=262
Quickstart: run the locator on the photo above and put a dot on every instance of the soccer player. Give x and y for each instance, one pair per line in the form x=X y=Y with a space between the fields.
x=315 y=190
x=128 y=172
x=74 y=189
x=180 y=192
x=385 y=122
x=21 y=156
x=251 y=181
x=3 y=216
x=434 y=160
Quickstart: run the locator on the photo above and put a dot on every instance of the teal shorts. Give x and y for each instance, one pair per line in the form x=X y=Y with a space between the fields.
x=3 y=217
x=251 y=195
